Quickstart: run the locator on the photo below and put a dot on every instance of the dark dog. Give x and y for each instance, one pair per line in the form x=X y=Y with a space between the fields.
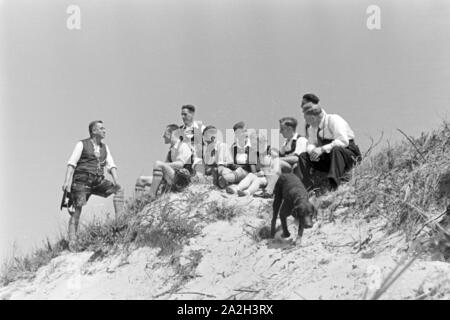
x=292 y=197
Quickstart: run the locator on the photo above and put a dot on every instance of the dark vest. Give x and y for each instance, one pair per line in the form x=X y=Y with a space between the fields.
x=293 y=147
x=89 y=162
x=245 y=166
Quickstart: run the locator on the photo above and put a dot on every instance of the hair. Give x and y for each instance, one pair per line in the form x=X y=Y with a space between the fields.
x=289 y=121
x=92 y=125
x=172 y=128
x=312 y=110
x=311 y=97
x=239 y=125
x=209 y=127
x=190 y=107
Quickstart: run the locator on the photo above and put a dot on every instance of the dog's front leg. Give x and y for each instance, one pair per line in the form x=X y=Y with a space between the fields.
x=298 y=240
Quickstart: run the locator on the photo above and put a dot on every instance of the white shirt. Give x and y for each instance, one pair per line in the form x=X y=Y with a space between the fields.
x=300 y=145
x=180 y=151
x=189 y=130
x=241 y=155
x=76 y=155
x=332 y=127
x=222 y=155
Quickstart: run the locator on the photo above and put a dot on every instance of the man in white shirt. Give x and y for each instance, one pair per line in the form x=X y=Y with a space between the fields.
x=309 y=99
x=176 y=171
x=331 y=147
x=85 y=177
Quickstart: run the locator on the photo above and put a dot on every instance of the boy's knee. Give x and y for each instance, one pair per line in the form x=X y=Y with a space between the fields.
x=119 y=190
x=158 y=164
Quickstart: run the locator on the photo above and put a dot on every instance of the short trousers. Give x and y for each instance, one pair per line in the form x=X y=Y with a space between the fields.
x=86 y=184
x=239 y=173
x=181 y=180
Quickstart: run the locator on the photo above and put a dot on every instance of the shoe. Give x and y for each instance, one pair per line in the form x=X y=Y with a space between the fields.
x=222 y=183
x=346 y=177
x=263 y=194
x=231 y=189
x=242 y=193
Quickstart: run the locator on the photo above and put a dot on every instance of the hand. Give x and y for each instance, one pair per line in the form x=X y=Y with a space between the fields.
x=66 y=186
x=315 y=154
x=260 y=174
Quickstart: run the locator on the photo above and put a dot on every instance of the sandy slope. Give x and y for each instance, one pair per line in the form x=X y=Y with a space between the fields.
x=227 y=262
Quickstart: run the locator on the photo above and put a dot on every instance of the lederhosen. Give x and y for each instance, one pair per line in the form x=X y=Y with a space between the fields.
x=182 y=176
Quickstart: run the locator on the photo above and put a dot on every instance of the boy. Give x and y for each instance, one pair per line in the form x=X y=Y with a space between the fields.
x=289 y=153
x=176 y=171
x=216 y=156
x=240 y=151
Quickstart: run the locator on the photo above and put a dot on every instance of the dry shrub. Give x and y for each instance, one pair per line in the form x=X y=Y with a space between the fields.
x=401 y=183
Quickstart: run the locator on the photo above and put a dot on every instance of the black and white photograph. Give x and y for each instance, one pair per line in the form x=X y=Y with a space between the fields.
x=223 y=150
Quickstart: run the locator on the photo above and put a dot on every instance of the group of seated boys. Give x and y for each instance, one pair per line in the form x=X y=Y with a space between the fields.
x=250 y=166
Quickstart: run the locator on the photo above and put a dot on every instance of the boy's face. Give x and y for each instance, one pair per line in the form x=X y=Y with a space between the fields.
x=241 y=135
x=210 y=136
x=312 y=120
x=167 y=136
x=253 y=138
x=262 y=143
x=304 y=101
x=286 y=131
x=187 y=116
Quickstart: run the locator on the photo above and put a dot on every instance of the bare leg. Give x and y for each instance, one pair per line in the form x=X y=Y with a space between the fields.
x=160 y=171
x=247 y=181
x=273 y=176
x=255 y=185
x=285 y=167
x=73 y=227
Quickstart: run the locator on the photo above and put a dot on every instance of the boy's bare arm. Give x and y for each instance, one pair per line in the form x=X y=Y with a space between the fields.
x=176 y=164
x=290 y=159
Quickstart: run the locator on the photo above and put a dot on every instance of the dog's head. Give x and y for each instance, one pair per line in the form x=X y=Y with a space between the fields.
x=304 y=211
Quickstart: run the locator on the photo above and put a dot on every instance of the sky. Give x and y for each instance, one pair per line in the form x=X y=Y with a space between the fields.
x=133 y=64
